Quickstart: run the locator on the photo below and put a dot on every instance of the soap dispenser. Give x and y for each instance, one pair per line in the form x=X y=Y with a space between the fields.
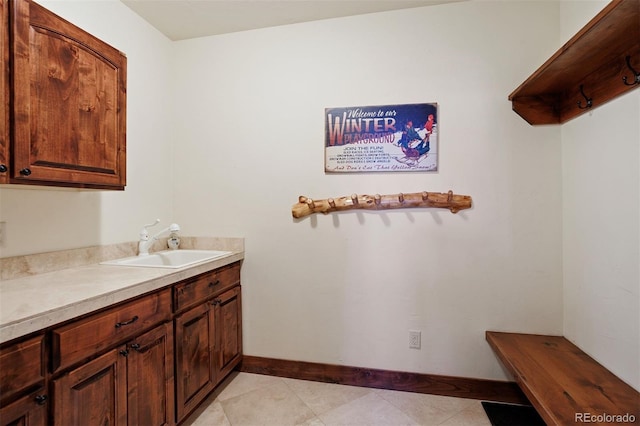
x=174 y=241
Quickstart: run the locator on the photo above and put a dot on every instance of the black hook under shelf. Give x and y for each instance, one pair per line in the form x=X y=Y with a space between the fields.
x=636 y=74
x=589 y=100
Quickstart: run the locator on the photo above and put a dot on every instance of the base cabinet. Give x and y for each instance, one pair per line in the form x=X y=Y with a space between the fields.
x=229 y=329
x=195 y=357
x=30 y=410
x=23 y=395
x=208 y=347
x=150 y=385
x=132 y=384
x=94 y=394
x=147 y=361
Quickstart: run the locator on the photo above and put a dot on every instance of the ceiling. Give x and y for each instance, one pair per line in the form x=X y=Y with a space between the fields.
x=184 y=19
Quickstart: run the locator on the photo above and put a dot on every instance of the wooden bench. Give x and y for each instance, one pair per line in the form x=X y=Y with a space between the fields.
x=565 y=385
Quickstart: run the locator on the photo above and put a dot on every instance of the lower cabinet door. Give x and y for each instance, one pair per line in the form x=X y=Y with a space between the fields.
x=94 y=394
x=150 y=377
x=195 y=361
x=229 y=327
x=30 y=410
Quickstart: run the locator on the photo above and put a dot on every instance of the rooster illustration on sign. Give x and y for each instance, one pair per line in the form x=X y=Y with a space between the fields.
x=414 y=147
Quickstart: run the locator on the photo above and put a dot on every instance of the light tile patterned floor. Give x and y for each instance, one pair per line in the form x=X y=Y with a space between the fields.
x=246 y=399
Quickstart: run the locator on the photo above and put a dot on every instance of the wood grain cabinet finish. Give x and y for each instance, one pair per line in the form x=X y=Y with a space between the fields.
x=208 y=337
x=93 y=394
x=193 y=291
x=228 y=318
x=23 y=395
x=68 y=103
x=21 y=367
x=150 y=378
x=30 y=410
x=195 y=357
x=81 y=339
x=131 y=384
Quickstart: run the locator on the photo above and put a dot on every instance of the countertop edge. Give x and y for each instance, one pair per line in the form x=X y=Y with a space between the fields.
x=24 y=326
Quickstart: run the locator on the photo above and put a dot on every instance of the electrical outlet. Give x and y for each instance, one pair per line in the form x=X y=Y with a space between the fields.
x=414 y=339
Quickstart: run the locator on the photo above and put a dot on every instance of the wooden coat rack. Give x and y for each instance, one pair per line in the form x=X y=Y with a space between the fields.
x=307 y=206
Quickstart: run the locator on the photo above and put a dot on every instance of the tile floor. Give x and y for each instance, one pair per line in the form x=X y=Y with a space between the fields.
x=253 y=399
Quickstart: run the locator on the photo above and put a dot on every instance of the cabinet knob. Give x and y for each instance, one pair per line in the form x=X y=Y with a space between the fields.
x=3 y=168
x=25 y=172
x=41 y=399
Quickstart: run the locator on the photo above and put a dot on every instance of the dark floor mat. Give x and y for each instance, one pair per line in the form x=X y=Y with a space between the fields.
x=512 y=415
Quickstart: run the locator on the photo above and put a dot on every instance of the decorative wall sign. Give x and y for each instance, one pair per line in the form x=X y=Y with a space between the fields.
x=384 y=138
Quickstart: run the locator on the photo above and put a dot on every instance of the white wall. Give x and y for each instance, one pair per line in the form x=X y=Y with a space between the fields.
x=246 y=124
x=346 y=288
x=40 y=220
x=601 y=231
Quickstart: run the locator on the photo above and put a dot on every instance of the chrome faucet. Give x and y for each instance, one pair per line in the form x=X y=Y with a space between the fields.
x=145 y=241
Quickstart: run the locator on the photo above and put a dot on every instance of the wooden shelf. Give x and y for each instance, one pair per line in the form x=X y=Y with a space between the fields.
x=595 y=58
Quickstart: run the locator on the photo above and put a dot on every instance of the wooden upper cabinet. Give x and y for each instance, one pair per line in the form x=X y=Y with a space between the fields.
x=594 y=67
x=69 y=103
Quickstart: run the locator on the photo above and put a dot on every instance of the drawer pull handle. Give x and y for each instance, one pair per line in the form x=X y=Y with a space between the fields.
x=124 y=352
x=216 y=302
x=214 y=283
x=131 y=321
x=135 y=346
x=41 y=399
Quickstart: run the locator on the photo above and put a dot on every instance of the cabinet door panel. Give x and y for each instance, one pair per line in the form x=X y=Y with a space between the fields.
x=195 y=362
x=94 y=394
x=26 y=411
x=69 y=102
x=229 y=327
x=150 y=378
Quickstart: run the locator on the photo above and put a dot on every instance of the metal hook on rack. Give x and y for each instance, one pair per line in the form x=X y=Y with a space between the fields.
x=589 y=100
x=636 y=74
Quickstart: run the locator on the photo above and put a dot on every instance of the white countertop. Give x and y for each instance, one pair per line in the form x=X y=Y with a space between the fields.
x=35 y=302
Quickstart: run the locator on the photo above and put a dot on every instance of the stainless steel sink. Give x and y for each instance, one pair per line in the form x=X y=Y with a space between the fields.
x=169 y=258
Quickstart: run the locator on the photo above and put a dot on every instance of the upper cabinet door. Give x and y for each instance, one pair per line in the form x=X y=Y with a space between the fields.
x=69 y=103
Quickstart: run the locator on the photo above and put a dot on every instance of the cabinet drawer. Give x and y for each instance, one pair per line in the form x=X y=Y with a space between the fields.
x=84 y=338
x=21 y=366
x=195 y=290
